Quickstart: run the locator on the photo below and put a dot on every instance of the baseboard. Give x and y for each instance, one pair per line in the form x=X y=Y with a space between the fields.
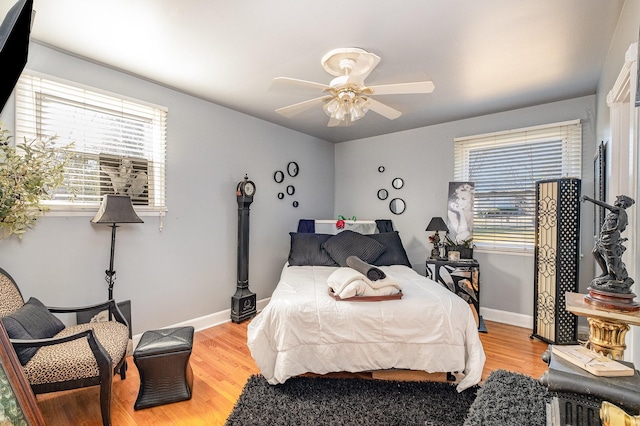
x=206 y=321
x=511 y=318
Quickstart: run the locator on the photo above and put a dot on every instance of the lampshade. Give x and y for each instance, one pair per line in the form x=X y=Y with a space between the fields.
x=116 y=209
x=437 y=224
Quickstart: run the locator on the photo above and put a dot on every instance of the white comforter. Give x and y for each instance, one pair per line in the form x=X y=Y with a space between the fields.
x=303 y=329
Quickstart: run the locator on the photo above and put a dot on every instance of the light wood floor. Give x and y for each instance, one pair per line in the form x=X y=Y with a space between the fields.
x=222 y=364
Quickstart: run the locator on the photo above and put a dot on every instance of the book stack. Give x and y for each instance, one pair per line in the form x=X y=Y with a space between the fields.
x=595 y=363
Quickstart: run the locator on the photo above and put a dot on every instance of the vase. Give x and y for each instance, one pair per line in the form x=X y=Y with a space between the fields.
x=465 y=252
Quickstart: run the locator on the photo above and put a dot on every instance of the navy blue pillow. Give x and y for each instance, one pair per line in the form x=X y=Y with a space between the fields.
x=32 y=321
x=395 y=253
x=348 y=243
x=306 y=250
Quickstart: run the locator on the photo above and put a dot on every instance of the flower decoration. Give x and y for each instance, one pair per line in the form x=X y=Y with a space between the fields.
x=341 y=221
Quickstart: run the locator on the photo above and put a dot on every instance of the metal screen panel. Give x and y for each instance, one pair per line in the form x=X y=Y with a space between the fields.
x=556 y=259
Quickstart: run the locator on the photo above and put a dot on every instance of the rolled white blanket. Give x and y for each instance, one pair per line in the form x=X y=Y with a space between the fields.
x=372 y=272
x=347 y=282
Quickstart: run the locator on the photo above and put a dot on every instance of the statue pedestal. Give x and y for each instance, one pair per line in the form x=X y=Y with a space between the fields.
x=612 y=301
x=607 y=327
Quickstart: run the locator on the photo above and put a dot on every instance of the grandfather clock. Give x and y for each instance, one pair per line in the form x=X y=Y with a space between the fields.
x=243 y=302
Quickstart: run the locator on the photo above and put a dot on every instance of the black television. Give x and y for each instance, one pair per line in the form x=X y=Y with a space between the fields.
x=14 y=46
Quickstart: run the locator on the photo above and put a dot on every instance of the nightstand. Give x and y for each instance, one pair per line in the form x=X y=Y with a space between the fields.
x=461 y=277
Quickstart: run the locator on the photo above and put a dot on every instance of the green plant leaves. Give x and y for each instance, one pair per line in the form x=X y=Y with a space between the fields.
x=29 y=172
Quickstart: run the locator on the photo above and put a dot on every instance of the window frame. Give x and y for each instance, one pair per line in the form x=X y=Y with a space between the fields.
x=533 y=136
x=28 y=118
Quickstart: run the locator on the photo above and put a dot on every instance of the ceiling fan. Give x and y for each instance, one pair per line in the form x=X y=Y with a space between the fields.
x=346 y=98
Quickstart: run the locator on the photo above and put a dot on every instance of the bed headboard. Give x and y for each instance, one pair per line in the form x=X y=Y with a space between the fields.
x=328 y=226
x=321 y=243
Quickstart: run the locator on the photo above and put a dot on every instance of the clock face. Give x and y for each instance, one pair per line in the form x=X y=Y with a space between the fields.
x=249 y=189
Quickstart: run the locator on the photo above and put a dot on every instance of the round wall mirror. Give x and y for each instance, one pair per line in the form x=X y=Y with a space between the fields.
x=280 y=195
x=397 y=183
x=292 y=169
x=397 y=206
x=382 y=194
x=278 y=176
x=291 y=190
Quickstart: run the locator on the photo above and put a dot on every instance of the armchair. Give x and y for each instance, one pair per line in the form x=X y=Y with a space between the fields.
x=55 y=357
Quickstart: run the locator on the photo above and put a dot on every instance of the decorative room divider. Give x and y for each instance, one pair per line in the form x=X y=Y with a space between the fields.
x=557 y=251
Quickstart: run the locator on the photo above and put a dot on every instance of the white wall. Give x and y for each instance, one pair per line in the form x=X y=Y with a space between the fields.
x=189 y=269
x=424 y=159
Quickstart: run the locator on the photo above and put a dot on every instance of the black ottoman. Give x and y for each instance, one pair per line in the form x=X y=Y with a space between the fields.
x=162 y=358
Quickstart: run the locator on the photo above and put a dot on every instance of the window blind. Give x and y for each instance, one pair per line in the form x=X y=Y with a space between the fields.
x=504 y=167
x=119 y=144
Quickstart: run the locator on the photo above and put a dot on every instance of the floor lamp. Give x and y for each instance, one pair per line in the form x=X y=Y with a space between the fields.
x=113 y=210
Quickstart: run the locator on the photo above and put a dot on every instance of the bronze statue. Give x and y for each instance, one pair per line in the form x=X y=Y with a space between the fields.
x=608 y=249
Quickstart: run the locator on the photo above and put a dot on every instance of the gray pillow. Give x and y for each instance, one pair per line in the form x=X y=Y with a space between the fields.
x=395 y=253
x=306 y=250
x=32 y=321
x=348 y=243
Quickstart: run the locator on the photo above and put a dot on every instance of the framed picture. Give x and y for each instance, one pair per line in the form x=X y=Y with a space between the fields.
x=460 y=211
x=599 y=185
x=18 y=403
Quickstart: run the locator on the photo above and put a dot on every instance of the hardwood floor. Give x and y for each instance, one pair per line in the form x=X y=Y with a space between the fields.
x=222 y=364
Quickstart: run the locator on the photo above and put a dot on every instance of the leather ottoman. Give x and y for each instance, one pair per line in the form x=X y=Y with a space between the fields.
x=162 y=358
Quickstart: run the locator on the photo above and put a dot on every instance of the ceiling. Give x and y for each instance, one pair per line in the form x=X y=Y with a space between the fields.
x=483 y=56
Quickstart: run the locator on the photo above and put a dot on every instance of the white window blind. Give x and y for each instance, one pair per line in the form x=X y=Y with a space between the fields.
x=504 y=167
x=119 y=144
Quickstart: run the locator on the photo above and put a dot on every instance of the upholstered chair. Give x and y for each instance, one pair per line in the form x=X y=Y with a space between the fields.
x=55 y=357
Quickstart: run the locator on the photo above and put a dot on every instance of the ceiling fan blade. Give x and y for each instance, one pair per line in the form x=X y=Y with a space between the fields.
x=383 y=110
x=291 y=110
x=403 y=88
x=301 y=83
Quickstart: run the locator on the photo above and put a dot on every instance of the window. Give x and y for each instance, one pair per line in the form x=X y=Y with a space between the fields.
x=504 y=167
x=118 y=144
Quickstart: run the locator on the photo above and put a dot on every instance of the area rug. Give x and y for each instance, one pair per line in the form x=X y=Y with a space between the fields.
x=504 y=399
x=507 y=399
x=351 y=401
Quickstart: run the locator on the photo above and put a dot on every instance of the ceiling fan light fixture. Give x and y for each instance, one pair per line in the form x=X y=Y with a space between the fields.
x=362 y=104
x=356 y=112
x=346 y=106
x=347 y=97
x=331 y=107
x=341 y=113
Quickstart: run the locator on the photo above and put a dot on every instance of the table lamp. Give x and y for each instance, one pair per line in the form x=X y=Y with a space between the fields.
x=436 y=224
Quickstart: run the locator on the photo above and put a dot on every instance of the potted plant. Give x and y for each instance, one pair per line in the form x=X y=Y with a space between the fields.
x=465 y=247
x=29 y=173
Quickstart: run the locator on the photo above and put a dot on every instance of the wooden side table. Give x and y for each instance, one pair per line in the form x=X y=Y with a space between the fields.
x=607 y=327
x=461 y=277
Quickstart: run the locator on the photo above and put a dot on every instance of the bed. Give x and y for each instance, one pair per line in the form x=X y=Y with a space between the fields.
x=303 y=329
